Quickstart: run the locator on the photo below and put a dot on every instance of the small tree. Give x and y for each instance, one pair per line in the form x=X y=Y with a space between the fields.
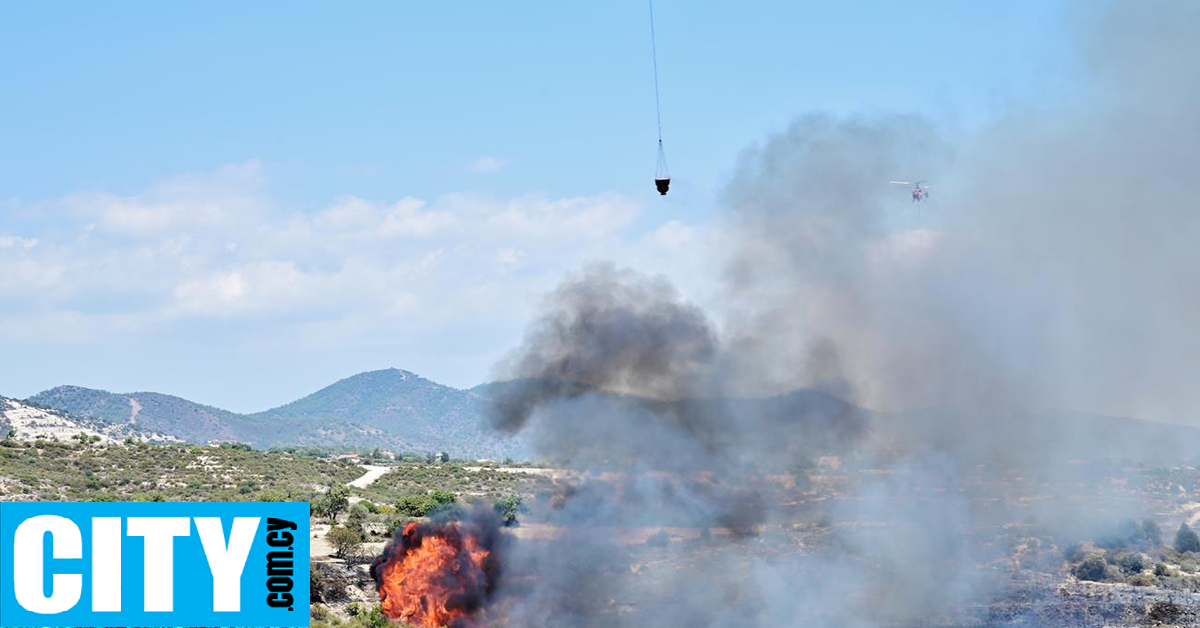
x=1186 y=539
x=333 y=502
x=508 y=507
x=346 y=542
x=358 y=518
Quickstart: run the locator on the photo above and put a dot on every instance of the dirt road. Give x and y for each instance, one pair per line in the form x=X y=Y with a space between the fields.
x=373 y=473
x=319 y=548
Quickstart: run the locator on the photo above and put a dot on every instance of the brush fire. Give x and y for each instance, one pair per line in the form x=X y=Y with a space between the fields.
x=866 y=428
x=438 y=573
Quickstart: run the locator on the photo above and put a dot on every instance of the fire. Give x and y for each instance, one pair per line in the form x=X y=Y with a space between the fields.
x=436 y=574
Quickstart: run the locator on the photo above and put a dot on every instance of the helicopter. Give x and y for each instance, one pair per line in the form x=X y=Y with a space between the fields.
x=920 y=191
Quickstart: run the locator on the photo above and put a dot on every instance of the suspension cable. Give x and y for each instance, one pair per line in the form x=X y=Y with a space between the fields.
x=654 y=55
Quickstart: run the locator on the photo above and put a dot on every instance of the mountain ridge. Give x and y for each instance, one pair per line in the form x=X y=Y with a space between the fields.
x=387 y=408
x=399 y=410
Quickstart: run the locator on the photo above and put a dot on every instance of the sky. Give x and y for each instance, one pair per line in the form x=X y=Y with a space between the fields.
x=240 y=203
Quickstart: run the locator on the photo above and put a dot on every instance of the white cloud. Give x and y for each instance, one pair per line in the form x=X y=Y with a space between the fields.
x=485 y=165
x=14 y=242
x=673 y=235
x=213 y=293
x=215 y=247
x=222 y=199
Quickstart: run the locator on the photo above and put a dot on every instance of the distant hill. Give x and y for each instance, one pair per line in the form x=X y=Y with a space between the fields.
x=401 y=411
x=179 y=417
x=29 y=422
x=391 y=409
x=410 y=412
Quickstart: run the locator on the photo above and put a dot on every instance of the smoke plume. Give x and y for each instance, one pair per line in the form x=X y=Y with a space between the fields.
x=1053 y=268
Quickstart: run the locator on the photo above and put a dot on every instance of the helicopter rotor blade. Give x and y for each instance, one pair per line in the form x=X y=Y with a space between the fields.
x=901 y=182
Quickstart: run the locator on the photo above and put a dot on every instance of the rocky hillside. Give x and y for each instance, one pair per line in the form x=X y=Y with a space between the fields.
x=391 y=409
x=25 y=422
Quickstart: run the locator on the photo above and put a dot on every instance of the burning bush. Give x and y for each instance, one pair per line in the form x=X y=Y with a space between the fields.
x=439 y=573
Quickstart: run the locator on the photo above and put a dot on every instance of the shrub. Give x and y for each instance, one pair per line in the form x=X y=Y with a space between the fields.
x=415 y=505
x=1186 y=539
x=1132 y=563
x=346 y=542
x=368 y=618
x=327 y=584
x=443 y=498
x=1142 y=580
x=508 y=507
x=1092 y=568
x=358 y=518
x=394 y=523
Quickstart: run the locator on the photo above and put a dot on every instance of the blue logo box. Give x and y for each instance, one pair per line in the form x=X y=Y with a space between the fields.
x=154 y=564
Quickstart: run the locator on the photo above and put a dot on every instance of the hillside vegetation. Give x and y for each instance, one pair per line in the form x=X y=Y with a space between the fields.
x=45 y=470
x=390 y=409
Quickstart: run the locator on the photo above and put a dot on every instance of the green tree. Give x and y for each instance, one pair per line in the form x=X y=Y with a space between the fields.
x=346 y=543
x=508 y=507
x=357 y=518
x=1186 y=539
x=333 y=502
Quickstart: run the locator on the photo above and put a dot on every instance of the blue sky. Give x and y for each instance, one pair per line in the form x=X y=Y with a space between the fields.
x=241 y=202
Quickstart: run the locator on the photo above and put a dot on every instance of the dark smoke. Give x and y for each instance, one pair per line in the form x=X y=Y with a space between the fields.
x=607 y=330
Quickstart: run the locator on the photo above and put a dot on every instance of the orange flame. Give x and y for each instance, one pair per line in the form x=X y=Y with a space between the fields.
x=435 y=578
